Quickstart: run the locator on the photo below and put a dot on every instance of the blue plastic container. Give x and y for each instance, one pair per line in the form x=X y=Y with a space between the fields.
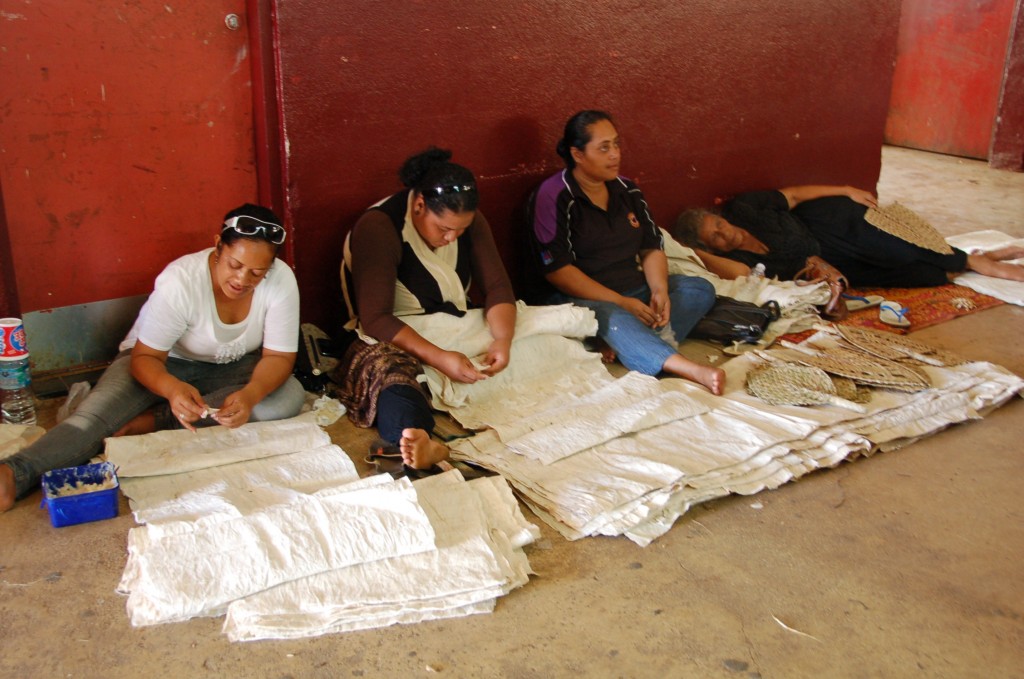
x=68 y=509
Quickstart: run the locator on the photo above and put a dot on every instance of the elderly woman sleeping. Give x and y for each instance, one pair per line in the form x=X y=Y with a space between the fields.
x=783 y=228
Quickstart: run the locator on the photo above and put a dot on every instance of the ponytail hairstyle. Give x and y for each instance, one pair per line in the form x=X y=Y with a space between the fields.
x=443 y=184
x=577 y=134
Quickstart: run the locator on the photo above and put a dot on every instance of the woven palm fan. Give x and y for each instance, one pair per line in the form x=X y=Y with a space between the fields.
x=907 y=225
x=850 y=390
x=798 y=385
x=896 y=347
x=863 y=368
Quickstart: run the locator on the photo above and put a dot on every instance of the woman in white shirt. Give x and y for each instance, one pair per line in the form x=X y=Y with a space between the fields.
x=215 y=343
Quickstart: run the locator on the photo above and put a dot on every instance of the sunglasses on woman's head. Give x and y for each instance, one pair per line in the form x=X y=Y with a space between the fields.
x=251 y=226
x=451 y=188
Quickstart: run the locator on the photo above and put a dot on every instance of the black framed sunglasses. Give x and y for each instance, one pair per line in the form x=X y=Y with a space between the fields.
x=443 y=189
x=251 y=226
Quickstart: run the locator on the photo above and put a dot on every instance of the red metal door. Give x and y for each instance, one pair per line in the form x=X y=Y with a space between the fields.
x=949 y=67
x=127 y=133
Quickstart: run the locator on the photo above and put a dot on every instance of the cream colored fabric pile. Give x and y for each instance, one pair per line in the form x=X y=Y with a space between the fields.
x=182 y=570
x=1011 y=292
x=601 y=479
x=540 y=345
x=291 y=543
x=478 y=532
x=171 y=452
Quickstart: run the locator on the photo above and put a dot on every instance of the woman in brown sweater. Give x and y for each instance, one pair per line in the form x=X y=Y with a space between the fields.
x=417 y=252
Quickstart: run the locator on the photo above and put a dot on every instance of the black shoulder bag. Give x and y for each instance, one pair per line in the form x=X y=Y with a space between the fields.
x=731 y=320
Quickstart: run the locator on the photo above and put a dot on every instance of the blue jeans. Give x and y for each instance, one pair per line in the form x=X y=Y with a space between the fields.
x=118 y=397
x=639 y=347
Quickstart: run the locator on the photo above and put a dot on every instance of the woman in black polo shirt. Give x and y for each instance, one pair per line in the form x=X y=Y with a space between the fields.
x=782 y=228
x=597 y=244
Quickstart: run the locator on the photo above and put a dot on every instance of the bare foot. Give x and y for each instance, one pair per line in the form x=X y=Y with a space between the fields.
x=8 y=493
x=713 y=379
x=607 y=353
x=419 y=451
x=1004 y=253
x=140 y=424
x=991 y=267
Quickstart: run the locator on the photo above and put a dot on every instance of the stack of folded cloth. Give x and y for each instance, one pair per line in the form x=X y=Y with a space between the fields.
x=593 y=456
x=270 y=525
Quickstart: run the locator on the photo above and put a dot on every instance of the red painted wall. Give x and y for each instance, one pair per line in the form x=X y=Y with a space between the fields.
x=1007 y=152
x=711 y=97
x=8 y=283
x=127 y=127
x=126 y=135
x=949 y=70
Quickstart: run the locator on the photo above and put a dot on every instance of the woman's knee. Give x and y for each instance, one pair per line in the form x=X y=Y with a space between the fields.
x=284 y=402
x=692 y=290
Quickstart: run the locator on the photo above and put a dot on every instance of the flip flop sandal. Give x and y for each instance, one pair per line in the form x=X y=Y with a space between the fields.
x=856 y=303
x=387 y=458
x=893 y=313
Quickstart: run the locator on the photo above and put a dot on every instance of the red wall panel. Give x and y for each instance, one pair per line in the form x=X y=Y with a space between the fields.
x=949 y=69
x=127 y=133
x=1007 y=151
x=710 y=98
x=127 y=127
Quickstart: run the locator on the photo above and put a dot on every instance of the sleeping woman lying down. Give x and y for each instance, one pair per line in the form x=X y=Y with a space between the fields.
x=782 y=228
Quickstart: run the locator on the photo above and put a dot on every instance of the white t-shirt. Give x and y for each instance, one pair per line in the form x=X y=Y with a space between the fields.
x=180 y=317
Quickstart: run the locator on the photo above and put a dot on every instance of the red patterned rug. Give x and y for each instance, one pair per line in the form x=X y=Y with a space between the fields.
x=928 y=306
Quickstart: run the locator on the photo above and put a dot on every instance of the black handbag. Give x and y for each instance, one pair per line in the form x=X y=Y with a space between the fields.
x=731 y=320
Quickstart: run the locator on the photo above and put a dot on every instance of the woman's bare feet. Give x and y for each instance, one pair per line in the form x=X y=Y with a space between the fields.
x=8 y=492
x=597 y=344
x=713 y=379
x=987 y=266
x=144 y=423
x=419 y=451
x=1004 y=253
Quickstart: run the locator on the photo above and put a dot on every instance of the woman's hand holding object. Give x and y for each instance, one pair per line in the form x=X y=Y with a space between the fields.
x=235 y=411
x=458 y=367
x=642 y=311
x=187 y=404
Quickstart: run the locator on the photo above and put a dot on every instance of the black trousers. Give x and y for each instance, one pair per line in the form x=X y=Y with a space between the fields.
x=868 y=256
x=402 y=406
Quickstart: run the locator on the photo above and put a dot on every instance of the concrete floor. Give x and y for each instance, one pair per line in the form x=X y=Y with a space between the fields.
x=908 y=563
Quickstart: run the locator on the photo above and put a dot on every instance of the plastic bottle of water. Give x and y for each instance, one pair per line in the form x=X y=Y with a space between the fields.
x=751 y=285
x=18 y=403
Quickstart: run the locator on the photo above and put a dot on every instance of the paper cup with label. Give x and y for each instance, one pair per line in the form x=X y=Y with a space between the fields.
x=12 y=340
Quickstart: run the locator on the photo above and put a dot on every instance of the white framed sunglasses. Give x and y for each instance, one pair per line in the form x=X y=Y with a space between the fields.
x=251 y=226
x=444 y=189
